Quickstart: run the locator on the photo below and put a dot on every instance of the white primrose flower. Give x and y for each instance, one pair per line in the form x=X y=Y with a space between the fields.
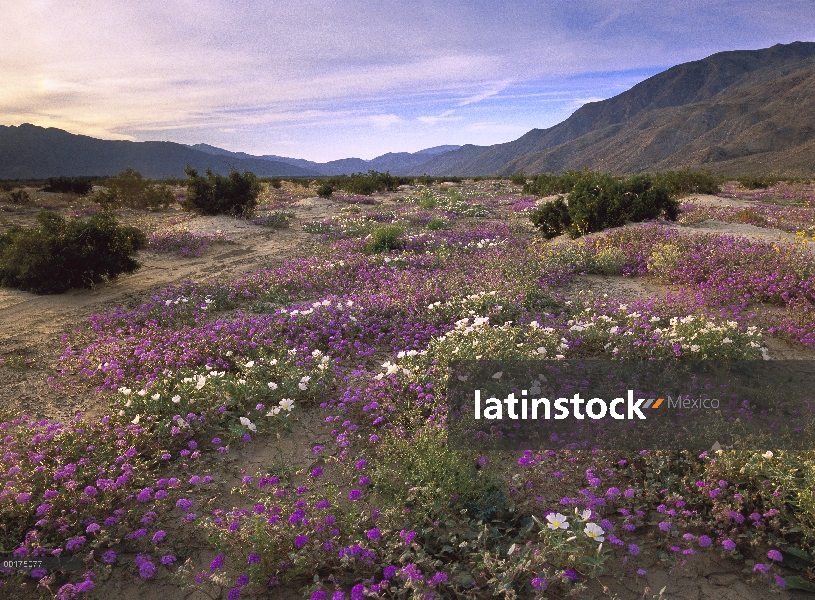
x=273 y=412
x=768 y=454
x=142 y=392
x=585 y=515
x=557 y=521
x=176 y=399
x=248 y=424
x=594 y=531
x=155 y=396
x=125 y=391
x=272 y=385
x=250 y=364
x=286 y=404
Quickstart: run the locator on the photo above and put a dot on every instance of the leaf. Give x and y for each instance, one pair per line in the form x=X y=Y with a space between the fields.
x=799 y=583
x=797 y=558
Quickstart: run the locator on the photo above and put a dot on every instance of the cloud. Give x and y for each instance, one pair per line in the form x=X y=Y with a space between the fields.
x=193 y=67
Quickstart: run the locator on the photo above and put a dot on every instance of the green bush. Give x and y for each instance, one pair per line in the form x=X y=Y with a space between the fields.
x=518 y=178
x=59 y=255
x=80 y=186
x=384 y=239
x=234 y=194
x=548 y=184
x=366 y=184
x=325 y=190
x=601 y=201
x=19 y=197
x=752 y=182
x=684 y=182
x=435 y=224
x=130 y=189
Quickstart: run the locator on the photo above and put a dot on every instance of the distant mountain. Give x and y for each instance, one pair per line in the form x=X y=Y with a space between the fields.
x=397 y=163
x=31 y=152
x=734 y=112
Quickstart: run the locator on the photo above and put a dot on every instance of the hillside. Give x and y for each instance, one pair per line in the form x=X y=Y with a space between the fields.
x=737 y=111
x=31 y=152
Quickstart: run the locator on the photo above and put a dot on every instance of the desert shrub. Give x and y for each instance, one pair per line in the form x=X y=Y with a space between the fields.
x=80 y=186
x=277 y=220
x=235 y=194
x=552 y=218
x=548 y=184
x=423 y=474
x=130 y=189
x=58 y=255
x=518 y=178
x=750 y=216
x=435 y=224
x=366 y=184
x=325 y=190
x=601 y=201
x=276 y=182
x=684 y=182
x=19 y=197
x=384 y=239
x=753 y=182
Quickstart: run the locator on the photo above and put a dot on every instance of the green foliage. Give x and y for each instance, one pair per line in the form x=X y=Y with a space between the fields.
x=130 y=189
x=552 y=218
x=421 y=473
x=276 y=182
x=684 y=182
x=548 y=184
x=384 y=239
x=600 y=201
x=325 y=190
x=518 y=178
x=367 y=184
x=19 y=197
x=235 y=194
x=753 y=182
x=435 y=224
x=58 y=255
x=80 y=186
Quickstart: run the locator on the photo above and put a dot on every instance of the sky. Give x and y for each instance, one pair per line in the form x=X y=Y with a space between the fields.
x=333 y=79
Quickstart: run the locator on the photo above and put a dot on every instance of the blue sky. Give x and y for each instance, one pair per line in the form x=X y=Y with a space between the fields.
x=339 y=78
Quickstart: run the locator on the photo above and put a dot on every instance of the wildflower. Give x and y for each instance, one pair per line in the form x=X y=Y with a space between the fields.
x=217 y=562
x=253 y=559
x=774 y=555
x=355 y=495
x=168 y=559
x=374 y=534
x=109 y=557
x=594 y=531
x=633 y=549
x=300 y=541
x=286 y=404
x=705 y=541
x=557 y=521
x=729 y=545
x=159 y=536
x=761 y=568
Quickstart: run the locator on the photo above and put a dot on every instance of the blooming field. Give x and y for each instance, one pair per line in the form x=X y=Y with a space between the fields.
x=361 y=338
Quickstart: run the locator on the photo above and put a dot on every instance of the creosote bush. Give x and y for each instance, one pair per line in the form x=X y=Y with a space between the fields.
x=130 y=189
x=236 y=194
x=80 y=186
x=325 y=190
x=601 y=201
x=59 y=255
x=384 y=239
x=19 y=197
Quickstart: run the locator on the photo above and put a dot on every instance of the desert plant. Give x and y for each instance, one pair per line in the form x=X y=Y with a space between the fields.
x=80 y=186
x=130 y=189
x=753 y=182
x=235 y=194
x=19 y=197
x=600 y=201
x=684 y=182
x=325 y=190
x=384 y=239
x=518 y=178
x=58 y=255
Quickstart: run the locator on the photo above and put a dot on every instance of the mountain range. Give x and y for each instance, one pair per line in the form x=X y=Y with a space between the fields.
x=735 y=112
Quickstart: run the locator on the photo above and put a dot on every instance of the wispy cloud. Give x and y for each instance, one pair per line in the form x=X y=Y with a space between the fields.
x=264 y=76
